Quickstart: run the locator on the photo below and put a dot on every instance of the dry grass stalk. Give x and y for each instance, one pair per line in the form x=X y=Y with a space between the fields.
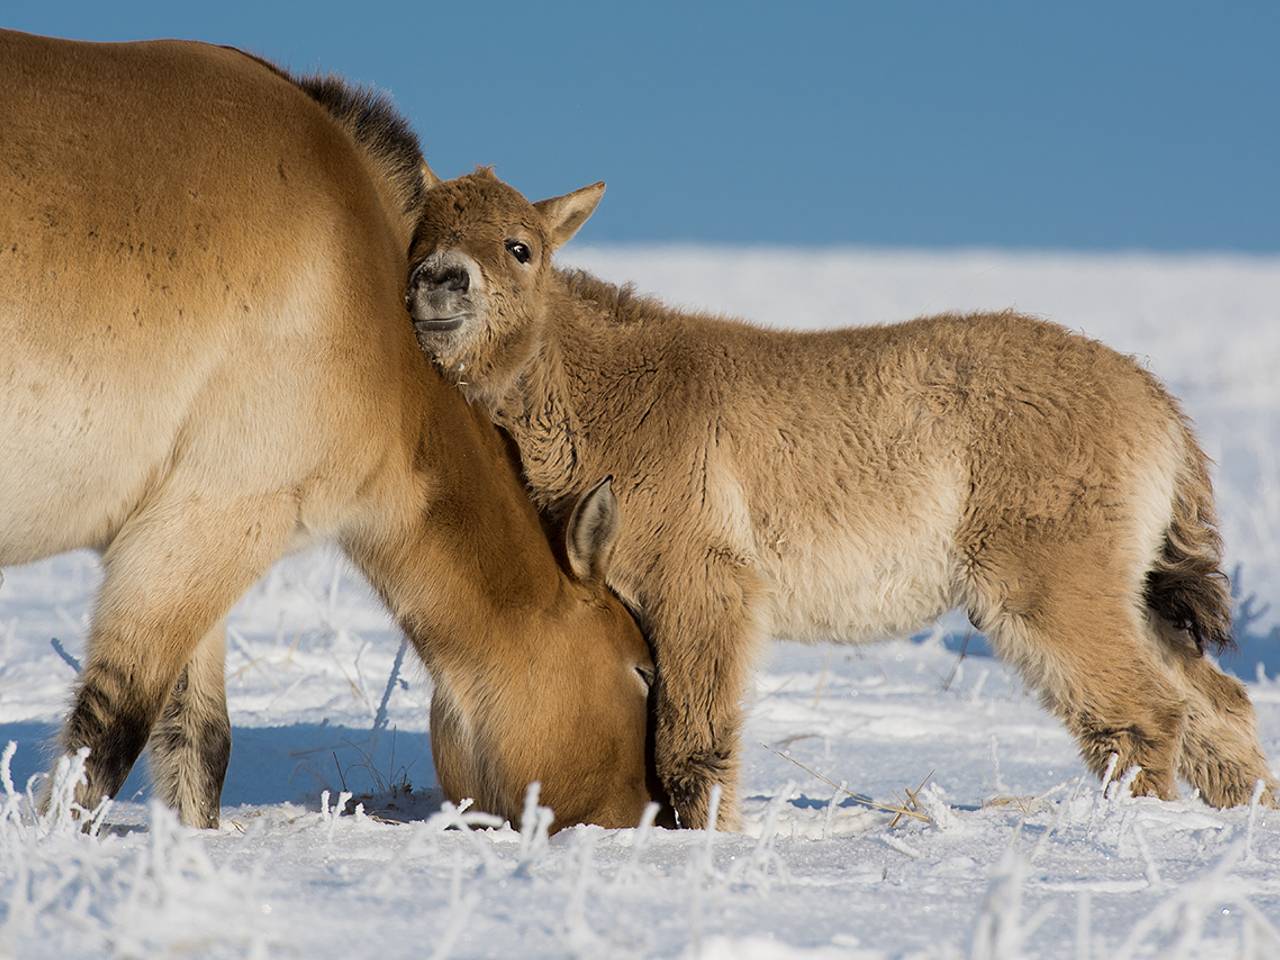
x=964 y=649
x=860 y=798
x=912 y=802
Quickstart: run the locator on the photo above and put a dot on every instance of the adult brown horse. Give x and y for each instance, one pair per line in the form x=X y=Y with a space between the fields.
x=207 y=362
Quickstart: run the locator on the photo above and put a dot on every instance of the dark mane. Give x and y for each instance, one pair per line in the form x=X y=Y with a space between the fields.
x=373 y=122
x=371 y=118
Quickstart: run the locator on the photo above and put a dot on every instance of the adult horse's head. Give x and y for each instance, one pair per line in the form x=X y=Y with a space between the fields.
x=561 y=699
x=479 y=263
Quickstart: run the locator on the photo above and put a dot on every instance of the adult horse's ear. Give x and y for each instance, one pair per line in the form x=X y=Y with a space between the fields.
x=429 y=178
x=564 y=215
x=592 y=532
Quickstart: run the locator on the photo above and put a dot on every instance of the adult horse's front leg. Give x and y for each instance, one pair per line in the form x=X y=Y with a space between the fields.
x=172 y=573
x=705 y=632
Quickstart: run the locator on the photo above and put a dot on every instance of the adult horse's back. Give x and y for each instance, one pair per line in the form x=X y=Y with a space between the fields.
x=173 y=221
x=206 y=362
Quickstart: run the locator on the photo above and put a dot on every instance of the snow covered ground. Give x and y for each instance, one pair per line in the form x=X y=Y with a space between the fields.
x=1011 y=850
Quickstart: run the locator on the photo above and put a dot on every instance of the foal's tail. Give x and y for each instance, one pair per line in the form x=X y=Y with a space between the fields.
x=1186 y=585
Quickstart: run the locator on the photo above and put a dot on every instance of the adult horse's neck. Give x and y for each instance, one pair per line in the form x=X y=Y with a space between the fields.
x=469 y=570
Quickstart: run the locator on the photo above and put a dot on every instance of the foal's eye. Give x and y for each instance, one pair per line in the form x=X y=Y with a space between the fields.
x=647 y=675
x=519 y=250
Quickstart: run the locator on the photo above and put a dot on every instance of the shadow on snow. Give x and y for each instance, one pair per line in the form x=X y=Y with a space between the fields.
x=271 y=765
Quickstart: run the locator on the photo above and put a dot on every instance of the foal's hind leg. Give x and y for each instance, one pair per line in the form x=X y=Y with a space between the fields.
x=190 y=744
x=1083 y=647
x=1221 y=755
x=171 y=574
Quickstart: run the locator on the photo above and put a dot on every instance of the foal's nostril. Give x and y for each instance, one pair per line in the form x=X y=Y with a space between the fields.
x=454 y=278
x=418 y=277
x=459 y=280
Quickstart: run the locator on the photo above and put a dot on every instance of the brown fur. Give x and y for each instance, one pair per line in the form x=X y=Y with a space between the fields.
x=207 y=363
x=852 y=484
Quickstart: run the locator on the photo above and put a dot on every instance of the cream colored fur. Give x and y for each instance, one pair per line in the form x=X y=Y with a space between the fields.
x=857 y=483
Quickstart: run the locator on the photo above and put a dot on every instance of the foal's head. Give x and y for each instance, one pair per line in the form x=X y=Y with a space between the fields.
x=479 y=267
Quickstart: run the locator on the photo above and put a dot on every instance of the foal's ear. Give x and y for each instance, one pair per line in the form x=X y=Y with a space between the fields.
x=564 y=215
x=592 y=532
x=429 y=178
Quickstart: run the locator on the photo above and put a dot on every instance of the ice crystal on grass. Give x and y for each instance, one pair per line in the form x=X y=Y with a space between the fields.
x=77 y=884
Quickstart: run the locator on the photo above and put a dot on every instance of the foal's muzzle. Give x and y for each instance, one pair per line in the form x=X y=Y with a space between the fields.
x=441 y=293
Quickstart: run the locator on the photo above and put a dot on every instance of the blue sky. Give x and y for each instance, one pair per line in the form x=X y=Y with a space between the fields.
x=1027 y=125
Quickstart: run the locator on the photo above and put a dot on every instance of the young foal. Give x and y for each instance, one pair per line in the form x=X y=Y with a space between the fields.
x=206 y=363
x=852 y=484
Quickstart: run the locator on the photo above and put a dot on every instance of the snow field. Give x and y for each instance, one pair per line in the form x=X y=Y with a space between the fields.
x=335 y=843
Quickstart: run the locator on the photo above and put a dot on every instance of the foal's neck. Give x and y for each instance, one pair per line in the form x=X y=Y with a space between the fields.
x=599 y=360
x=543 y=414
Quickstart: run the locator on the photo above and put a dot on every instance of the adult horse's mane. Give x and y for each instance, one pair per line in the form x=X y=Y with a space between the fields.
x=372 y=120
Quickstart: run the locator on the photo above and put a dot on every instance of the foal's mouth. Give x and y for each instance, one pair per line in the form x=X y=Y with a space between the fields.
x=439 y=324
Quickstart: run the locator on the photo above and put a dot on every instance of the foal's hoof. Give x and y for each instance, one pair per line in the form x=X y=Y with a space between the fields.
x=1161 y=786
x=689 y=781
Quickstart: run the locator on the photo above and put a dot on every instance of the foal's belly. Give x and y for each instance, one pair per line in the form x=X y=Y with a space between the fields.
x=879 y=575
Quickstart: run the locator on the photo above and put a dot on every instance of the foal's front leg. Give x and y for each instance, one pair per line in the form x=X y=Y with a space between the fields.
x=704 y=628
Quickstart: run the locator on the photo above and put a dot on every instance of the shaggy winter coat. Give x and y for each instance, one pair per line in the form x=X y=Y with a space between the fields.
x=854 y=484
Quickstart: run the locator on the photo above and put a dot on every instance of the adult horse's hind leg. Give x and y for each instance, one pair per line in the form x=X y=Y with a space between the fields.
x=1221 y=755
x=1080 y=642
x=172 y=573
x=190 y=744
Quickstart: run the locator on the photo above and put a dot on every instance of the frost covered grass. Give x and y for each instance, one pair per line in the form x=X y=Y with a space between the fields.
x=1087 y=871
x=75 y=885
x=336 y=841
